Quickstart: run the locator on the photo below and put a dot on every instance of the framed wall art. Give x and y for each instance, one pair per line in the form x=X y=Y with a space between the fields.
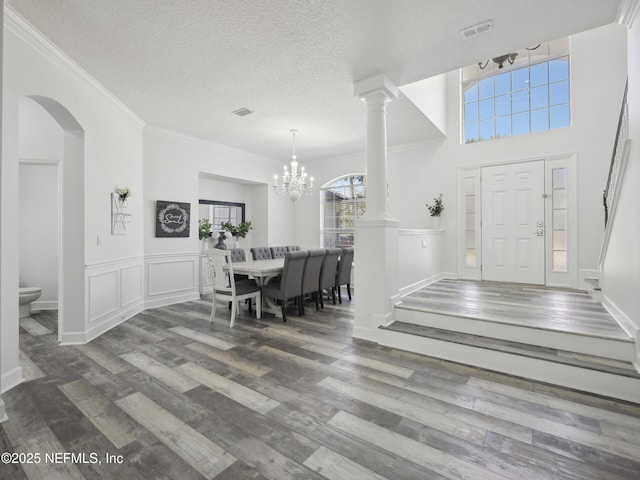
x=172 y=219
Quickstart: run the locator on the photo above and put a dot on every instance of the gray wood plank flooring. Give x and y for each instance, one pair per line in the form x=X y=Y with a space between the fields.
x=174 y=396
x=534 y=306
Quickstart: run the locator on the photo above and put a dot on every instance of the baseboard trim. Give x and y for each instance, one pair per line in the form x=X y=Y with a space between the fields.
x=3 y=413
x=120 y=316
x=619 y=316
x=165 y=300
x=414 y=287
x=363 y=333
x=11 y=379
x=44 y=305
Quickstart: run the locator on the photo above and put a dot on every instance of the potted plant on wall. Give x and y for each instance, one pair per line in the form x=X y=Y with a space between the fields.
x=436 y=210
x=238 y=231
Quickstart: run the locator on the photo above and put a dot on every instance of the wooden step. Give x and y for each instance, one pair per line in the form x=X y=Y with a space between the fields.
x=594 y=374
x=593 y=289
x=565 y=357
x=617 y=347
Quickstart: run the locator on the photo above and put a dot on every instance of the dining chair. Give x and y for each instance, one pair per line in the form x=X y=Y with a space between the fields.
x=288 y=284
x=221 y=268
x=278 y=252
x=293 y=248
x=328 y=274
x=238 y=255
x=343 y=275
x=311 y=276
x=261 y=253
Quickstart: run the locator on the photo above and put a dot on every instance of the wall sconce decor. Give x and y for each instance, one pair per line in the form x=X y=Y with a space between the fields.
x=119 y=215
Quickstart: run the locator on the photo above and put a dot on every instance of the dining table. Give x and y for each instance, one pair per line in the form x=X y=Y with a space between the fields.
x=262 y=272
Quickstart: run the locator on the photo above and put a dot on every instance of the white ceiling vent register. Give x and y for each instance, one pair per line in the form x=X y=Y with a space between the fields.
x=242 y=112
x=476 y=30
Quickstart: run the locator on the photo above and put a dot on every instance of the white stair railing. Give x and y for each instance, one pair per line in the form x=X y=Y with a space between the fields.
x=617 y=159
x=616 y=173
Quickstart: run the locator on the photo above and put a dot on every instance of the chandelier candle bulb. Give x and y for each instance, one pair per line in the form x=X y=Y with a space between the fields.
x=294 y=183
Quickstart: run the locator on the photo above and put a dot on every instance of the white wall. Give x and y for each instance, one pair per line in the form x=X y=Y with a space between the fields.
x=101 y=149
x=418 y=173
x=621 y=270
x=174 y=166
x=38 y=231
x=41 y=149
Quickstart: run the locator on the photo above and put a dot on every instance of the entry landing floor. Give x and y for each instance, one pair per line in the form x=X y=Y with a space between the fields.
x=564 y=310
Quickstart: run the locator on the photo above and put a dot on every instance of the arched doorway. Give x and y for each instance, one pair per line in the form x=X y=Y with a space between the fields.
x=66 y=137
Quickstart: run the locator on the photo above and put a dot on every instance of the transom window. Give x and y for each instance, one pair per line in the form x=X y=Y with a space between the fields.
x=531 y=95
x=342 y=201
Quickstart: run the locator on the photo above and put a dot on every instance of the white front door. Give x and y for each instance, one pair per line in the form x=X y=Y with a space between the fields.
x=513 y=223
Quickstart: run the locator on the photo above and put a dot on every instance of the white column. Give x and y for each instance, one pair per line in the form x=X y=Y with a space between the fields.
x=376 y=234
x=376 y=155
x=376 y=92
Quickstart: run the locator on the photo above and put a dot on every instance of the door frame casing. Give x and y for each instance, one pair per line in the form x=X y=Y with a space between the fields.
x=513 y=195
x=472 y=173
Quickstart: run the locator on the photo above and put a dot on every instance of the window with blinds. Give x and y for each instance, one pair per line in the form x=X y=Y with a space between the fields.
x=343 y=201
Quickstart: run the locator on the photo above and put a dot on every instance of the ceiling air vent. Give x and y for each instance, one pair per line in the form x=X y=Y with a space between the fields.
x=476 y=30
x=243 y=112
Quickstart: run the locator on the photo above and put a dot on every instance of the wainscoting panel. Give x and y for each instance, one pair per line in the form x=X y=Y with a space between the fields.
x=171 y=278
x=113 y=294
x=103 y=294
x=131 y=285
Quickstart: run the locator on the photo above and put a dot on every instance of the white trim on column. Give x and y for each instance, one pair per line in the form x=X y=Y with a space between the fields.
x=11 y=378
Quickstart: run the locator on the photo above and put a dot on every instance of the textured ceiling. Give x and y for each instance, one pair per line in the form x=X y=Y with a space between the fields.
x=186 y=65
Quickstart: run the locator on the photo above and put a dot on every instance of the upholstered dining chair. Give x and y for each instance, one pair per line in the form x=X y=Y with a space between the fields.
x=278 y=252
x=261 y=253
x=288 y=284
x=238 y=255
x=328 y=274
x=311 y=276
x=293 y=248
x=221 y=268
x=343 y=275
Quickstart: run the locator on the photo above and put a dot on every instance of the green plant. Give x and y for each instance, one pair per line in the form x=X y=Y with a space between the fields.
x=239 y=230
x=437 y=208
x=204 y=228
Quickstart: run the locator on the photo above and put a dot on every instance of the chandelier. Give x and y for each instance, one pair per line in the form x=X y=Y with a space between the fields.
x=508 y=57
x=294 y=184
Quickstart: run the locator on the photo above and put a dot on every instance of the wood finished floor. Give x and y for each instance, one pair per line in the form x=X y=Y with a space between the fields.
x=179 y=398
x=535 y=306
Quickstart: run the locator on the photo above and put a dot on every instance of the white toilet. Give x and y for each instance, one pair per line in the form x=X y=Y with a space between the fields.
x=28 y=295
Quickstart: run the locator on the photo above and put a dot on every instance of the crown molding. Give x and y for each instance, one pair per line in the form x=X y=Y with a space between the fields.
x=627 y=12
x=15 y=23
x=204 y=143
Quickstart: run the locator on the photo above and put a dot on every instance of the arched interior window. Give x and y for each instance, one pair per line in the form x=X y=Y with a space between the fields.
x=519 y=93
x=342 y=201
